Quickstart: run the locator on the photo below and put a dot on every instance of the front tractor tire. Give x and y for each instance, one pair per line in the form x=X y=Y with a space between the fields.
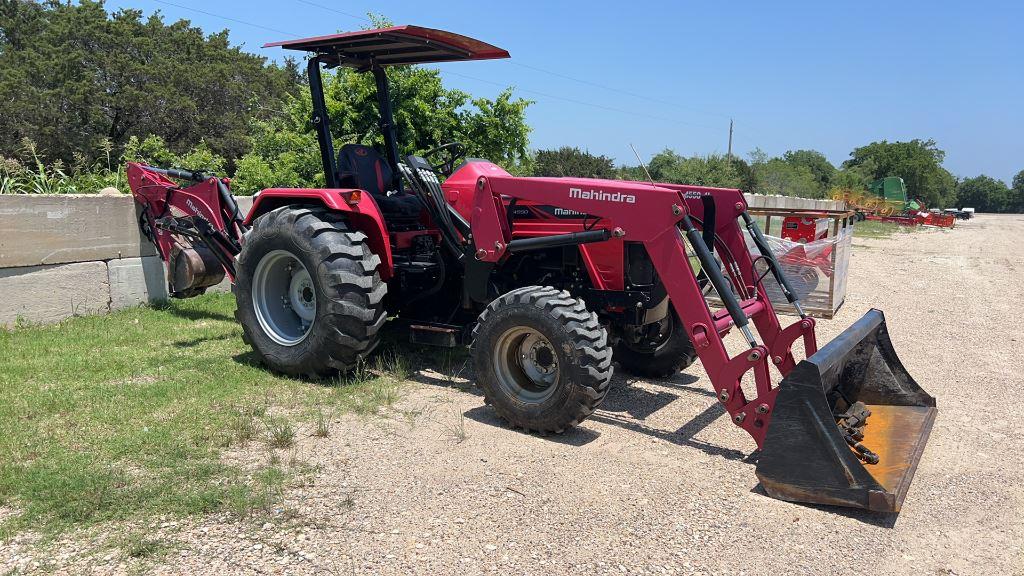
x=541 y=358
x=308 y=294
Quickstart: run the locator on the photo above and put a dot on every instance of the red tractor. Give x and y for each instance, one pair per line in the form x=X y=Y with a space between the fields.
x=547 y=279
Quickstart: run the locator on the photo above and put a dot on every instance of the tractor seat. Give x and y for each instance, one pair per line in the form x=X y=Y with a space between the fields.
x=362 y=167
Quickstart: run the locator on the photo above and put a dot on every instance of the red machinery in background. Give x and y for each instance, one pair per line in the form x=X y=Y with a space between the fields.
x=922 y=217
x=805 y=228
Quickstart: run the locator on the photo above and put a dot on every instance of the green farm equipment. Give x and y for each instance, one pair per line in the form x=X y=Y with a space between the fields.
x=890 y=196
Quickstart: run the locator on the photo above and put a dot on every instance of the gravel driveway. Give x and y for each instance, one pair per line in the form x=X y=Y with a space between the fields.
x=658 y=481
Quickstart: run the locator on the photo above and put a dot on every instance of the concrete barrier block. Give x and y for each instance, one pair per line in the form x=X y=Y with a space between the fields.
x=224 y=286
x=57 y=229
x=52 y=293
x=135 y=281
x=244 y=204
x=36 y=230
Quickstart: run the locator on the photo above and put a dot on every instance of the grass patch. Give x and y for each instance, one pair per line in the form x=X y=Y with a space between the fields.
x=876 y=229
x=139 y=547
x=368 y=397
x=393 y=364
x=321 y=424
x=457 y=430
x=126 y=416
x=280 y=432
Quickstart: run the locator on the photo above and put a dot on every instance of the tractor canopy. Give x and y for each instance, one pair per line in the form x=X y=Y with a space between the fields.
x=372 y=51
x=393 y=46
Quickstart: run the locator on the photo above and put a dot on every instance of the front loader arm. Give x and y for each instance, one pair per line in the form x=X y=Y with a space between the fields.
x=810 y=450
x=653 y=215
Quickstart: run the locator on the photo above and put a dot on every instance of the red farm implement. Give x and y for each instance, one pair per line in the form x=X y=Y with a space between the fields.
x=918 y=218
x=886 y=201
x=548 y=280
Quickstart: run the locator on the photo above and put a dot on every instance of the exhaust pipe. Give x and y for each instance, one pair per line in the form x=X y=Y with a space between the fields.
x=849 y=425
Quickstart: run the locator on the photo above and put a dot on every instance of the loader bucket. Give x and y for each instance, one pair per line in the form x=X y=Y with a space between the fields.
x=808 y=454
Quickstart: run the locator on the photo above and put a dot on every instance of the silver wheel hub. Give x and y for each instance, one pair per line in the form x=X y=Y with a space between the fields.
x=526 y=364
x=283 y=297
x=301 y=297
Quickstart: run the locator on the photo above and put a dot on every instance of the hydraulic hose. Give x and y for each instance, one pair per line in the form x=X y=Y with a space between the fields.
x=179 y=174
x=762 y=246
x=714 y=273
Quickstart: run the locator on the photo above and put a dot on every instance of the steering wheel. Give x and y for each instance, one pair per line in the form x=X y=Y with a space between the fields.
x=452 y=153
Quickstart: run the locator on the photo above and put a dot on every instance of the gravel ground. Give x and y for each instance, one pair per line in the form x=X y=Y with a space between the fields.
x=657 y=482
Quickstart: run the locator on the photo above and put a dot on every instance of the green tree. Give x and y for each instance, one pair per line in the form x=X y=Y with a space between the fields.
x=748 y=180
x=427 y=114
x=777 y=176
x=662 y=163
x=918 y=162
x=1015 y=201
x=857 y=177
x=984 y=194
x=568 y=161
x=74 y=77
x=815 y=161
x=713 y=170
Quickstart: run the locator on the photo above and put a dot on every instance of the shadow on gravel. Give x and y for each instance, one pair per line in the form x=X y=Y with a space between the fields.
x=681 y=381
x=627 y=406
x=444 y=381
x=879 y=519
x=575 y=436
x=684 y=436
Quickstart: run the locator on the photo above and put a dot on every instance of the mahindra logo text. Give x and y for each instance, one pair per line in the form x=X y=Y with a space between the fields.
x=601 y=195
x=199 y=213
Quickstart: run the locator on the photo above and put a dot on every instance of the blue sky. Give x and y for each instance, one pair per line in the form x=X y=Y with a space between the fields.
x=824 y=75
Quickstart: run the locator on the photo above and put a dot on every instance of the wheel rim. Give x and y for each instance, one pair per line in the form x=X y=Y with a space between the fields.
x=526 y=364
x=284 y=298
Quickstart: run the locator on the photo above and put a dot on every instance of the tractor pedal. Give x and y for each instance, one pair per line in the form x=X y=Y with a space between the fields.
x=443 y=335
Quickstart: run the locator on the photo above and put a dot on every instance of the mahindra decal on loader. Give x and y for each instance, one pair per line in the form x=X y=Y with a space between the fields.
x=547 y=279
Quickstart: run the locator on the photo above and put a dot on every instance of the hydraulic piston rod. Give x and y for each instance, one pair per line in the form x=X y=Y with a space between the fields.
x=714 y=273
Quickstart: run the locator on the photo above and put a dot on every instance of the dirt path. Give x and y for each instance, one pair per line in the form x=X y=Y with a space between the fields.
x=658 y=482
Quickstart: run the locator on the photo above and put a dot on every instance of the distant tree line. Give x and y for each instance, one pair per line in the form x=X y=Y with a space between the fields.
x=805 y=173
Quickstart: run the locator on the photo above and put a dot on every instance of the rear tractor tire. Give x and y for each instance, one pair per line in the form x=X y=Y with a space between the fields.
x=541 y=358
x=308 y=294
x=663 y=356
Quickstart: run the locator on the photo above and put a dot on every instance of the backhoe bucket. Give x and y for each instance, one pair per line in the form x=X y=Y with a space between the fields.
x=849 y=425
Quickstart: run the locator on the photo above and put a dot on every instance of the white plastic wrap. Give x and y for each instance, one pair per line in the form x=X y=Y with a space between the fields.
x=816 y=270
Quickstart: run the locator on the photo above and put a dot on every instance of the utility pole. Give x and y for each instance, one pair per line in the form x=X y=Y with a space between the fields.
x=730 y=138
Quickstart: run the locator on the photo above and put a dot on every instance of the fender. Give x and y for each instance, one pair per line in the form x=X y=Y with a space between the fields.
x=365 y=216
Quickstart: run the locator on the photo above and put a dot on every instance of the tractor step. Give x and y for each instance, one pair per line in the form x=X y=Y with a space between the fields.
x=444 y=335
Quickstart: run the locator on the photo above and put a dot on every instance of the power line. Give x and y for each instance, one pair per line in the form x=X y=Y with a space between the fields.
x=564 y=76
x=581 y=102
x=616 y=90
x=228 y=18
x=335 y=10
